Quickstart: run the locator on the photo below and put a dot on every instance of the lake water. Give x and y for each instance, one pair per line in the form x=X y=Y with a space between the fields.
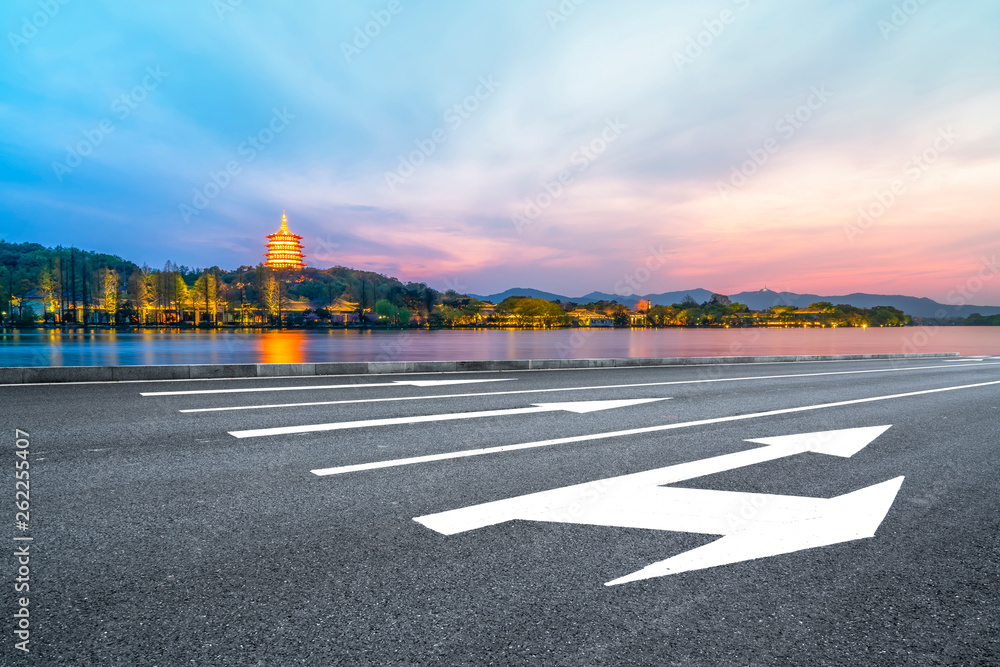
x=110 y=348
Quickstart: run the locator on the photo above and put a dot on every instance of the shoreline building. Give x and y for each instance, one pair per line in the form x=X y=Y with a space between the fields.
x=284 y=251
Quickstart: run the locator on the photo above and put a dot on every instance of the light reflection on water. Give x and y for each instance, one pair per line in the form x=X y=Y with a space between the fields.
x=288 y=347
x=109 y=348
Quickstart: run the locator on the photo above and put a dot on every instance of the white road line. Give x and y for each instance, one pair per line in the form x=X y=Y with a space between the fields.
x=635 y=431
x=398 y=383
x=579 y=407
x=453 y=372
x=542 y=391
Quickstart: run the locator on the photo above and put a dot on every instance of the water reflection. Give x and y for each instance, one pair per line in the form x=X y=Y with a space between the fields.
x=283 y=347
x=106 y=348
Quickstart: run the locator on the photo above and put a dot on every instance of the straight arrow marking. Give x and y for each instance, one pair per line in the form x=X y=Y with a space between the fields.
x=399 y=383
x=579 y=407
x=634 y=431
x=753 y=525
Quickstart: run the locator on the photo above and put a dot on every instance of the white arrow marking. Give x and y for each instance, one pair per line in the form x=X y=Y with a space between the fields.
x=579 y=407
x=838 y=443
x=753 y=525
x=400 y=383
x=392 y=463
x=852 y=516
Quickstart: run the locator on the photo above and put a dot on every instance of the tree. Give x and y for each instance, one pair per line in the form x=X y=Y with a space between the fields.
x=142 y=286
x=384 y=308
x=84 y=288
x=26 y=316
x=150 y=296
x=206 y=289
x=5 y=294
x=429 y=299
x=72 y=280
x=662 y=316
x=270 y=294
x=48 y=287
x=110 y=293
x=240 y=289
x=136 y=291
x=181 y=295
x=720 y=299
x=688 y=302
x=529 y=311
x=715 y=312
x=887 y=316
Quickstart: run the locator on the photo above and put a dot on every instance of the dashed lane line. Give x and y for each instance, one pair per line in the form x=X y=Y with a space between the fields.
x=560 y=389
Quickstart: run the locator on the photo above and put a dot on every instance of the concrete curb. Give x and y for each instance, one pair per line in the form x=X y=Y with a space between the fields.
x=40 y=374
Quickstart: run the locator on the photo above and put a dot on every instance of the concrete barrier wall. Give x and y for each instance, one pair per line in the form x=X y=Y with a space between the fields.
x=40 y=374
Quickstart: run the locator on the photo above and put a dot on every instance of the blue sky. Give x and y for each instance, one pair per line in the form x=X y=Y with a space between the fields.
x=747 y=141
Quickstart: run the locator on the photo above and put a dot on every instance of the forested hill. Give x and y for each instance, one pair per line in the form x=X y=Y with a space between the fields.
x=764 y=299
x=28 y=269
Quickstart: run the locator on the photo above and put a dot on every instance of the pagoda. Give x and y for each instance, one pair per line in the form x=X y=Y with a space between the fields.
x=283 y=248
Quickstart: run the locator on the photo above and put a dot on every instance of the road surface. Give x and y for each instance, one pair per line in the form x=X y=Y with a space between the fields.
x=645 y=516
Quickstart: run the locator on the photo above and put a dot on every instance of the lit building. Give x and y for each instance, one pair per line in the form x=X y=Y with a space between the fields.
x=283 y=248
x=588 y=318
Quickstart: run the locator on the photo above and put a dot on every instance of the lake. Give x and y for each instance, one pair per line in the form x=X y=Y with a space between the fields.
x=111 y=348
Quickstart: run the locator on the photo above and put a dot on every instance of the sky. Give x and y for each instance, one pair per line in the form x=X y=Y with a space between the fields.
x=572 y=146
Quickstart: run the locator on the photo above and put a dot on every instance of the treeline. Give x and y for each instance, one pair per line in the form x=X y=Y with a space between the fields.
x=520 y=311
x=977 y=320
x=719 y=311
x=74 y=286
x=67 y=285
x=842 y=315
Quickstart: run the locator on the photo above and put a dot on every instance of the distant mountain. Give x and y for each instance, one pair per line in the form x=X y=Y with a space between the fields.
x=520 y=291
x=763 y=299
x=665 y=299
x=911 y=305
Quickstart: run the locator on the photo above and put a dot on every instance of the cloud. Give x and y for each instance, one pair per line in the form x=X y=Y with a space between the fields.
x=689 y=125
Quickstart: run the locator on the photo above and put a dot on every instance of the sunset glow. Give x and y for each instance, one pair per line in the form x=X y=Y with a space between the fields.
x=823 y=147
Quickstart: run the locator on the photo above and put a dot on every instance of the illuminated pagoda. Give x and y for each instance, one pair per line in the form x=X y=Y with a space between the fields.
x=283 y=248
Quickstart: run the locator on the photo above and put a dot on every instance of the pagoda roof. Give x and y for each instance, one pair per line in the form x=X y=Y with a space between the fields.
x=283 y=231
x=342 y=305
x=283 y=248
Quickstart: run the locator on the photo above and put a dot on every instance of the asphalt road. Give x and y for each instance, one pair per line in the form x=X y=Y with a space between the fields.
x=160 y=538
